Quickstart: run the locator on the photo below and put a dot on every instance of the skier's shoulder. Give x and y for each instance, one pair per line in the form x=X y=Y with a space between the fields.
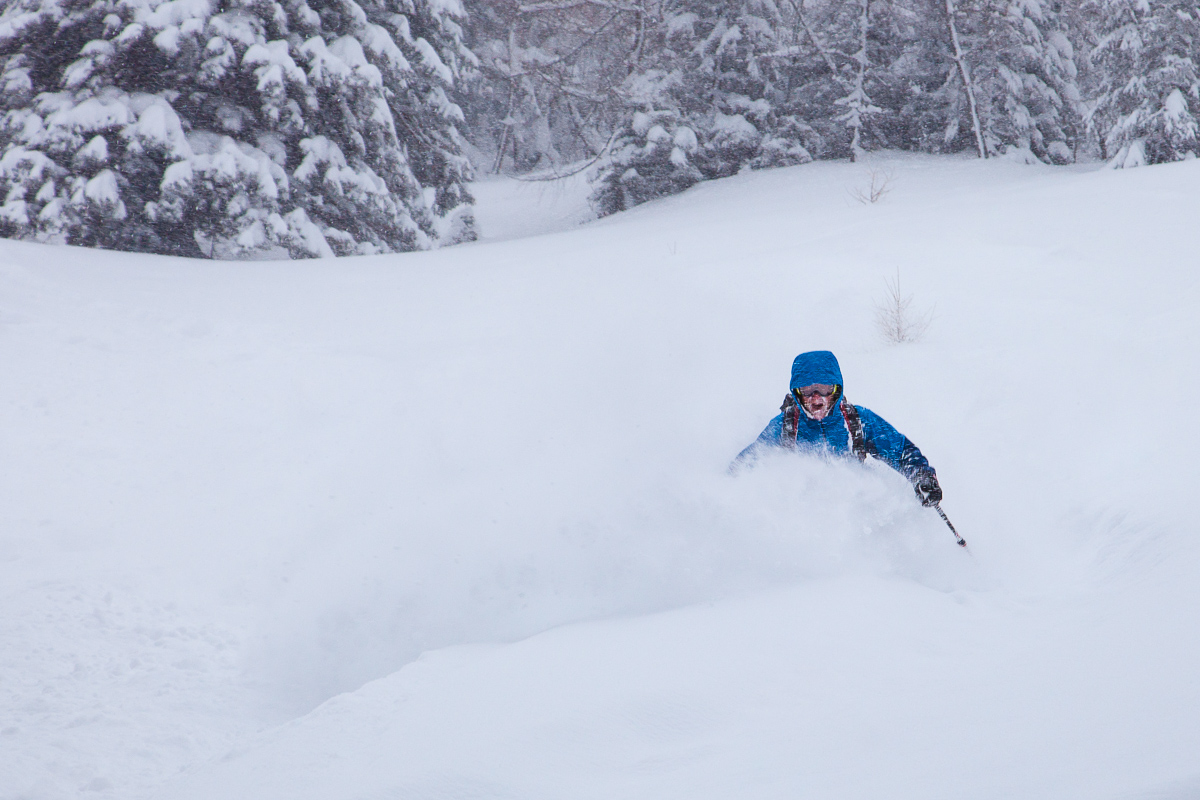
x=870 y=420
x=769 y=438
x=863 y=412
x=773 y=429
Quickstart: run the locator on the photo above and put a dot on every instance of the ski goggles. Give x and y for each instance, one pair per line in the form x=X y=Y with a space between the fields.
x=817 y=390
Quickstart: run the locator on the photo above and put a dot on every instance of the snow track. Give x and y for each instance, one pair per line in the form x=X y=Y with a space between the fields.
x=234 y=495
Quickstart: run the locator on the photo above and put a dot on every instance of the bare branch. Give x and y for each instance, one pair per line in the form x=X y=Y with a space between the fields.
x=896 y=321
x=587 y=164
x=563 y=5
x=881 y=184
x=579 y=94
x=565 y=57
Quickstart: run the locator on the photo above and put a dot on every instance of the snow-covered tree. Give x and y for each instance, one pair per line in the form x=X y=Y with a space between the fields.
x=1026 y=70
x=653 y=157
x=857 y=102
x=963 y=93
x=761 y=83
x=1146 y=66
x=546 y=90
x=730 y=82
x=705 y=107
x=199 y=127
x=986 y=75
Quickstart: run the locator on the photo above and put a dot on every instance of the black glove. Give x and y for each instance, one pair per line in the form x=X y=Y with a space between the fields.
x=925 y=484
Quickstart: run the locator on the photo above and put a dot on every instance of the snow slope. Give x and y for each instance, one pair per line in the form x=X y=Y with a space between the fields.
x=231 y=492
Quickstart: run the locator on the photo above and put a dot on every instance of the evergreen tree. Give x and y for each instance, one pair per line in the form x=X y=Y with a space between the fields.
x=1147 y=93
x=1025 y=68
x=652 y=157
x=199 y=128
x=828 y=87
x=990 y=76
x=706 y=107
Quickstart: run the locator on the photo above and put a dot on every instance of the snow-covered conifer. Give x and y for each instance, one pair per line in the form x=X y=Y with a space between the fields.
x=715 y=78
x=857 y=102
x=1146 y=64
x=987 y=75
x=1027 y=71
x=201 y=128
x=652 y=157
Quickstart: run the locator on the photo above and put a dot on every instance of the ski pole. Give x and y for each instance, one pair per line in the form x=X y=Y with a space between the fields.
x=961 y=541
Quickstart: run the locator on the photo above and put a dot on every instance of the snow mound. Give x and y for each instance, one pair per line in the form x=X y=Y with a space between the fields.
x=241 y=500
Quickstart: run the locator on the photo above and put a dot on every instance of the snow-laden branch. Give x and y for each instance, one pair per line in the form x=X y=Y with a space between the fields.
x=822 y=49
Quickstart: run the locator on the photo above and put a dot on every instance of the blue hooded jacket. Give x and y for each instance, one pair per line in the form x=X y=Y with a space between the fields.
x=831 y=435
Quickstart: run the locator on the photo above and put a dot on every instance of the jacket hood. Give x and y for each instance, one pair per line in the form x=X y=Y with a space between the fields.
x=816 y=366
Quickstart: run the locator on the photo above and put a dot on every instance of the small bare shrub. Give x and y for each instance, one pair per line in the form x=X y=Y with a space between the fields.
x=876 y=190
x=895 y=317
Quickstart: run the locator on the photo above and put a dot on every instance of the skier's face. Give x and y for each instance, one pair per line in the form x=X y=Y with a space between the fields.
x=817 y=400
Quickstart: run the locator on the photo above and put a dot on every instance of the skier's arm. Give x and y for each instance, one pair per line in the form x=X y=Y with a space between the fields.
x=888 y=444
x=768 y=438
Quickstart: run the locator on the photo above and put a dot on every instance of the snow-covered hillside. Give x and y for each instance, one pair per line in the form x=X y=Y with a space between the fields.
x=458 y=524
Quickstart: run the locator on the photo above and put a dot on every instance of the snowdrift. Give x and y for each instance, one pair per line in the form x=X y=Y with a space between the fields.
x=458 y=524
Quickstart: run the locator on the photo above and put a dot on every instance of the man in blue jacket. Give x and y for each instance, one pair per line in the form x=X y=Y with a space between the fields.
x=815 y=417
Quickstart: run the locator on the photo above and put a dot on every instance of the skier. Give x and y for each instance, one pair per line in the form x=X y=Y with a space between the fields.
x=815 y=417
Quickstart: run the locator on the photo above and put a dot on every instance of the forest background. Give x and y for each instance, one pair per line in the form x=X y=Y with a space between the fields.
x=299 y=128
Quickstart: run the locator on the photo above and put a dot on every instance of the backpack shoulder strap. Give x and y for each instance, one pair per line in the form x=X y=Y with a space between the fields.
x=791 y=421
x=858 y=441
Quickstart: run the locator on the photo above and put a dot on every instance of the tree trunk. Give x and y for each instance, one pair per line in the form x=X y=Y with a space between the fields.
x=514 y=69
x=635 y=57
x=965 y=73
x=861 y=57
